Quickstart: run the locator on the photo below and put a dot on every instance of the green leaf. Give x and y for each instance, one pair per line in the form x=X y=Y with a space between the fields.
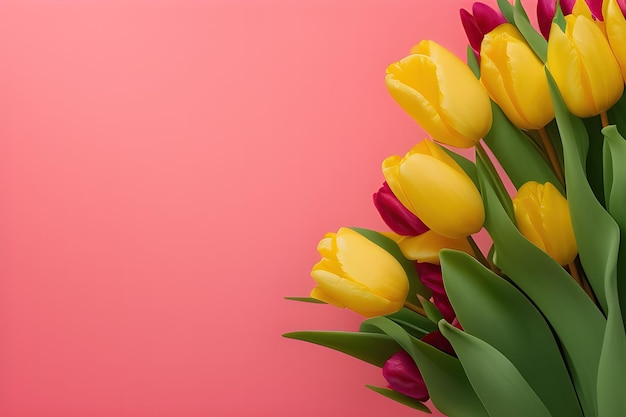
x=401 y=398
x=536 y=41
x=448 y=386
x=472 y=62
x=466 y=165
x=612 y=368
x=517 y=154
x=597 y=234
x=305 y=300
x=617 y=114
x=559 y=19
x=415 y=285
x=507 y=10
x=374 y=348
x=499 y=385
x=574 y=317
x=593 y=166
x=510 y=323
x=431 y=311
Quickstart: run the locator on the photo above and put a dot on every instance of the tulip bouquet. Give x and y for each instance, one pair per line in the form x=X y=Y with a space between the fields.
x=533 y=322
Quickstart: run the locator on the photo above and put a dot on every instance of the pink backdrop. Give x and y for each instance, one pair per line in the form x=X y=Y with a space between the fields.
x=166 y=170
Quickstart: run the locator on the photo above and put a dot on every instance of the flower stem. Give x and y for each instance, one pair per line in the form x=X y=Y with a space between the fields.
x=500 y=190
x=419 y=310
x=479 y=255
x=579 y=277
x=605 y=119
x=554 y=160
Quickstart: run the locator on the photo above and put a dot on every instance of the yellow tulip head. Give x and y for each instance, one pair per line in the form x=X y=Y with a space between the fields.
x=442 y=94
x=358 y=274
x=583 y=66
x=543 y=217
x=615 y=25
x=434 y=187
x=515 y=78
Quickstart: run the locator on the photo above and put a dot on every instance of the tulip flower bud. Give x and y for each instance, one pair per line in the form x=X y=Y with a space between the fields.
x=442 y=94
x=403 y=376
x=515 y=78
x=615 y=22
x=430 y=275
x=543 y=217
x=435 y=188
x=358 y=274
x=395 y=215
x=583 y=66
x=481 y=21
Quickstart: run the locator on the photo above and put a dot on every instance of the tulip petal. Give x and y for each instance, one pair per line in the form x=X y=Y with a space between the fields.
x=616 y=32
x=545 y=14
x=436 y=194
x=426 y=247
x=357 y=297
x=381 y=274
x=472 y=31
x=602 y=69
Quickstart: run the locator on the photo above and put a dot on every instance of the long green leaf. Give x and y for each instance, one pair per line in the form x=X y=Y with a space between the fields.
x=374 y=348
x=611 y=401
x=415 y=285
x=530 y=347
x=499 y=385
x=555 y=294
x=597 y=234
x=536 y=41
x=507 y=10
x=449 y=389
x=401 y=398
x=519 y=157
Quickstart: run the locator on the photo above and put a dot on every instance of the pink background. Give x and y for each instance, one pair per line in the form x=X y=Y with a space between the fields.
x=166 y=170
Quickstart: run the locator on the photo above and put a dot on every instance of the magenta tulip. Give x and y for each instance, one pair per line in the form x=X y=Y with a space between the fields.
x=395 y=215
x=481 y=21
x=431 y=277
x=403 y=376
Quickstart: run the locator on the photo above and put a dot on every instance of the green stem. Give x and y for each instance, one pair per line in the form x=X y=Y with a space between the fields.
x=478 y=253
x=500 y=189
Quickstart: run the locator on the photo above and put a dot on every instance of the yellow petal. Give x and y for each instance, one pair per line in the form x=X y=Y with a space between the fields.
x=426 y=247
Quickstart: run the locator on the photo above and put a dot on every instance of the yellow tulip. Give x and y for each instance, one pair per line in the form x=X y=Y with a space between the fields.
x=433 y=186
x=426 y=247
x=543 y=217
x=515 y=78
x=615 y=24
x=442 y=94
x=358 y=274
x=583 y=66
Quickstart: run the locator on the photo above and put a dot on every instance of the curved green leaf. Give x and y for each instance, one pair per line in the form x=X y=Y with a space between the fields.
x=499 y=385
x=510 y=323
x=507 y=10
x=374 y=348
x=536 y=41
x=517 y=154
x=553 y=291
x=305 y=300
x=597 y=234
x=617 y=114
x=401 y=398
x=472 y=62
x=415 y=285
x=448 y=386
x=612 y=369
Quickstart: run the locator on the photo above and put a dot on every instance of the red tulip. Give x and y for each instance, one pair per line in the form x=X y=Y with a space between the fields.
x=395 y=215
x=403 y=376
x=431 y=277
x=481 y=21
